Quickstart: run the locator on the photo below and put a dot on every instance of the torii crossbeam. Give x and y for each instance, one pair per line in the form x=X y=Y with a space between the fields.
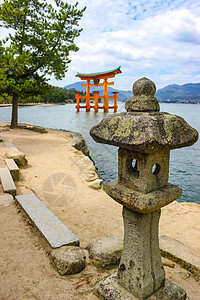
x=96 y=77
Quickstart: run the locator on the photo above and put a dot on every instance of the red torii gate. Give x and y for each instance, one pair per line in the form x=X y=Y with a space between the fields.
x=96 y=77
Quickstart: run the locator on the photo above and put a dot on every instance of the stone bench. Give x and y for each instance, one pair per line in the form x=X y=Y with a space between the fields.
x=55 y=232
x=39 y=129
x=14 y=153
x=11 y=146
x=7 y=181
x=12 y=166
x=180 y=253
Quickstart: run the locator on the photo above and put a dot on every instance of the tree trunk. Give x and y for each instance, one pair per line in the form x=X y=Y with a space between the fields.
x=14 y=122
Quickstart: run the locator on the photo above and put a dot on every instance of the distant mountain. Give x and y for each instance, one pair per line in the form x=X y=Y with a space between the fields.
x=76 y=85
x=187 y=93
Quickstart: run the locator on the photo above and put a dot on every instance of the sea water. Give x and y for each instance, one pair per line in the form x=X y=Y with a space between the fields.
x=184 y=162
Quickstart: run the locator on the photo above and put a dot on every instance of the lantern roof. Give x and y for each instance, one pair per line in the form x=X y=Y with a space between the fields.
x=143 y=128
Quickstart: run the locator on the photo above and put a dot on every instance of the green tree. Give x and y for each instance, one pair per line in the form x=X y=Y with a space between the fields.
x=42 y=36
x=59 y=95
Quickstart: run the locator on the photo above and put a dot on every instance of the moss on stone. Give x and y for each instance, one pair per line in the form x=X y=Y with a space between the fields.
x=167 y=126
x=105 y=131
x=124 y=127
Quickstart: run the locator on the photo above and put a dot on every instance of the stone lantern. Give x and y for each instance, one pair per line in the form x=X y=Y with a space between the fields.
x=145 y=137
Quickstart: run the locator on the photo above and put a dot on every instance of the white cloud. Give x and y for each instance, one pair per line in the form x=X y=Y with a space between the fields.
x=157 y=39
x=162 y=45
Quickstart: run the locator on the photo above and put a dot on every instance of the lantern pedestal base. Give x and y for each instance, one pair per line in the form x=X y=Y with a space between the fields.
x=109 y=289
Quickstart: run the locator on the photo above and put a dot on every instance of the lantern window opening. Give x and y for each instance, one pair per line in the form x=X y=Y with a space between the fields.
x=156 y=169
x=133 y=167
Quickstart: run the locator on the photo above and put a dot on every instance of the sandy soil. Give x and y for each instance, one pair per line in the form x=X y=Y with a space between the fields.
x=25 y=268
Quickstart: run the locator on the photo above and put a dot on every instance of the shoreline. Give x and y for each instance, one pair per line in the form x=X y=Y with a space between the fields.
x=64 y=103
x=32 y=104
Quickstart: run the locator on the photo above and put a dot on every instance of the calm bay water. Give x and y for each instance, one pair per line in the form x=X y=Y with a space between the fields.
x=184 y=162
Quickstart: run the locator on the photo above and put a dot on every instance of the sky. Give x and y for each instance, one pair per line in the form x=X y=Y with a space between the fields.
x=156 y=39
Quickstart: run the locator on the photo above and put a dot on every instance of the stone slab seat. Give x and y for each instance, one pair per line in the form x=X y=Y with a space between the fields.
x=180 y=253
x=55 y=232
x=12 y=166
x=11 y=146
x=7 y=181
x=14 y=153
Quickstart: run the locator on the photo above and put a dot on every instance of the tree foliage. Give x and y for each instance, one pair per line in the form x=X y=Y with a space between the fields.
x=59 y=95
x=41 y=38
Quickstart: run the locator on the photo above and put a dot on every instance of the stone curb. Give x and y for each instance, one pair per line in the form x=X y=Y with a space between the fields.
x=180 y=253
x=6 y=199
x=78 y=142
x=39 y=129
x=15 y=154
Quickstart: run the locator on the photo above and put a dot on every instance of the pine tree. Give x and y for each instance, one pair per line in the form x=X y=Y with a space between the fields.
x=40 y=40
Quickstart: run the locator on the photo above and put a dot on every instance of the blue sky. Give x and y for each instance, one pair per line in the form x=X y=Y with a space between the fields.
x=156 y=39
